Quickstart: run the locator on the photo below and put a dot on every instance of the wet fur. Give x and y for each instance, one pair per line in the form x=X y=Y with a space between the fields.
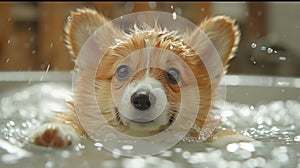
x=221 y=30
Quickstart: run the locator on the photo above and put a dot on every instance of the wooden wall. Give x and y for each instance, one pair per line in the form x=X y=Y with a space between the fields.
x=32 y=37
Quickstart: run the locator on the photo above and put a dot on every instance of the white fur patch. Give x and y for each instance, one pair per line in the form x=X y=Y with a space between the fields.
x=155 y=116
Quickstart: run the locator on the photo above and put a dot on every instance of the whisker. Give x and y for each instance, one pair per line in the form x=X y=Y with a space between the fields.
x=116 y=118
x=172 y=112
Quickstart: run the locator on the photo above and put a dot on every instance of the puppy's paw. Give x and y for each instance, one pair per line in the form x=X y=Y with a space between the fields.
x=225 y=137
x=54 y=135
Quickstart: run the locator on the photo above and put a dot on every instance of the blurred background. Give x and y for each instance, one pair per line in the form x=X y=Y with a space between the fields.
x=32 y=36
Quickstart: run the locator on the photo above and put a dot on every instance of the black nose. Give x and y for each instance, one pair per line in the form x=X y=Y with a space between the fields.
x=142 y=100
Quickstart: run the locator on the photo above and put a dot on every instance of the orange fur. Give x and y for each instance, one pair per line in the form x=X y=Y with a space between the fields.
x=220 y=30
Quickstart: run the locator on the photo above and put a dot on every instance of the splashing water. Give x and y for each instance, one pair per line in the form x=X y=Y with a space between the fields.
x=263 y=48
x=275 y=124
x=69 y=18
x=253 y=45
x=270 y=50
x=276 y=121
x=174 y=15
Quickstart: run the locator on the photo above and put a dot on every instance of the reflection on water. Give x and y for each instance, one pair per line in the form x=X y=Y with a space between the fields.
x=274 y=124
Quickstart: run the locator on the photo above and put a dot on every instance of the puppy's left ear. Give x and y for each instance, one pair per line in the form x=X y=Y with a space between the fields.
x=224 y=35
x=216 y=34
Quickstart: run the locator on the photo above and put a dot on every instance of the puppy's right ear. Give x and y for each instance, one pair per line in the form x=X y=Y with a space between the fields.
x=84 y=22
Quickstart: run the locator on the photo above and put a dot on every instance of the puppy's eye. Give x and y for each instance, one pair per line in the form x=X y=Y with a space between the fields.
x=173 y=75
x=122 y=72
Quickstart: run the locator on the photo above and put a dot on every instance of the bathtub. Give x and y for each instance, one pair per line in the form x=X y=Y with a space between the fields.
x=278 y=137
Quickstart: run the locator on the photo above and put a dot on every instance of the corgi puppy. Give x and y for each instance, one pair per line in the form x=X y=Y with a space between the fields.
x=147 y=91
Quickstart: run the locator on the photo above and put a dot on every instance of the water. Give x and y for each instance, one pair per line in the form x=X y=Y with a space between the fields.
x=174 y=15
x=275 y=124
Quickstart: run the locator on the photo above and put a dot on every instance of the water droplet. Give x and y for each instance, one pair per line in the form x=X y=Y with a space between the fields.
x=260 y=126
x=275 y=51
x=297 y=138
x=69 y=18
x=186 y=154
x=65 y=154
x=232 y=147
x=275 y=129
x=33 y=52
x=253 y=45
x=282 y=58
x=118 y=41
x=283 y=83
x=167 y=154
x=292 y=127
x=97 y=144
x=269 y=50
x=174 y=15
x=178 y=150
x=80 y=146
x=263 y=48
x=110 y=137
x=8 y=41
x=12 y=123
x=29 y=29
x=116 y=153
x=127 y=147
x=47 y=68
x=51 y=45
x=24 y=125
x=254 y=62
x=7 y=60
x=49 y=164
x=247 y=146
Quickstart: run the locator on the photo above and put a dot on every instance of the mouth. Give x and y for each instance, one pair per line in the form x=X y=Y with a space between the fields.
x=120 y=118
x=142 y=123
x=140 y=120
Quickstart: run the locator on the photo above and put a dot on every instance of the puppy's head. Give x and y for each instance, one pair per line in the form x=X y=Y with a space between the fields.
x=140 y=79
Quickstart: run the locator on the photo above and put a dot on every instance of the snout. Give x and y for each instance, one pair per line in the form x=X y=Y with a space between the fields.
x=142 y=100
